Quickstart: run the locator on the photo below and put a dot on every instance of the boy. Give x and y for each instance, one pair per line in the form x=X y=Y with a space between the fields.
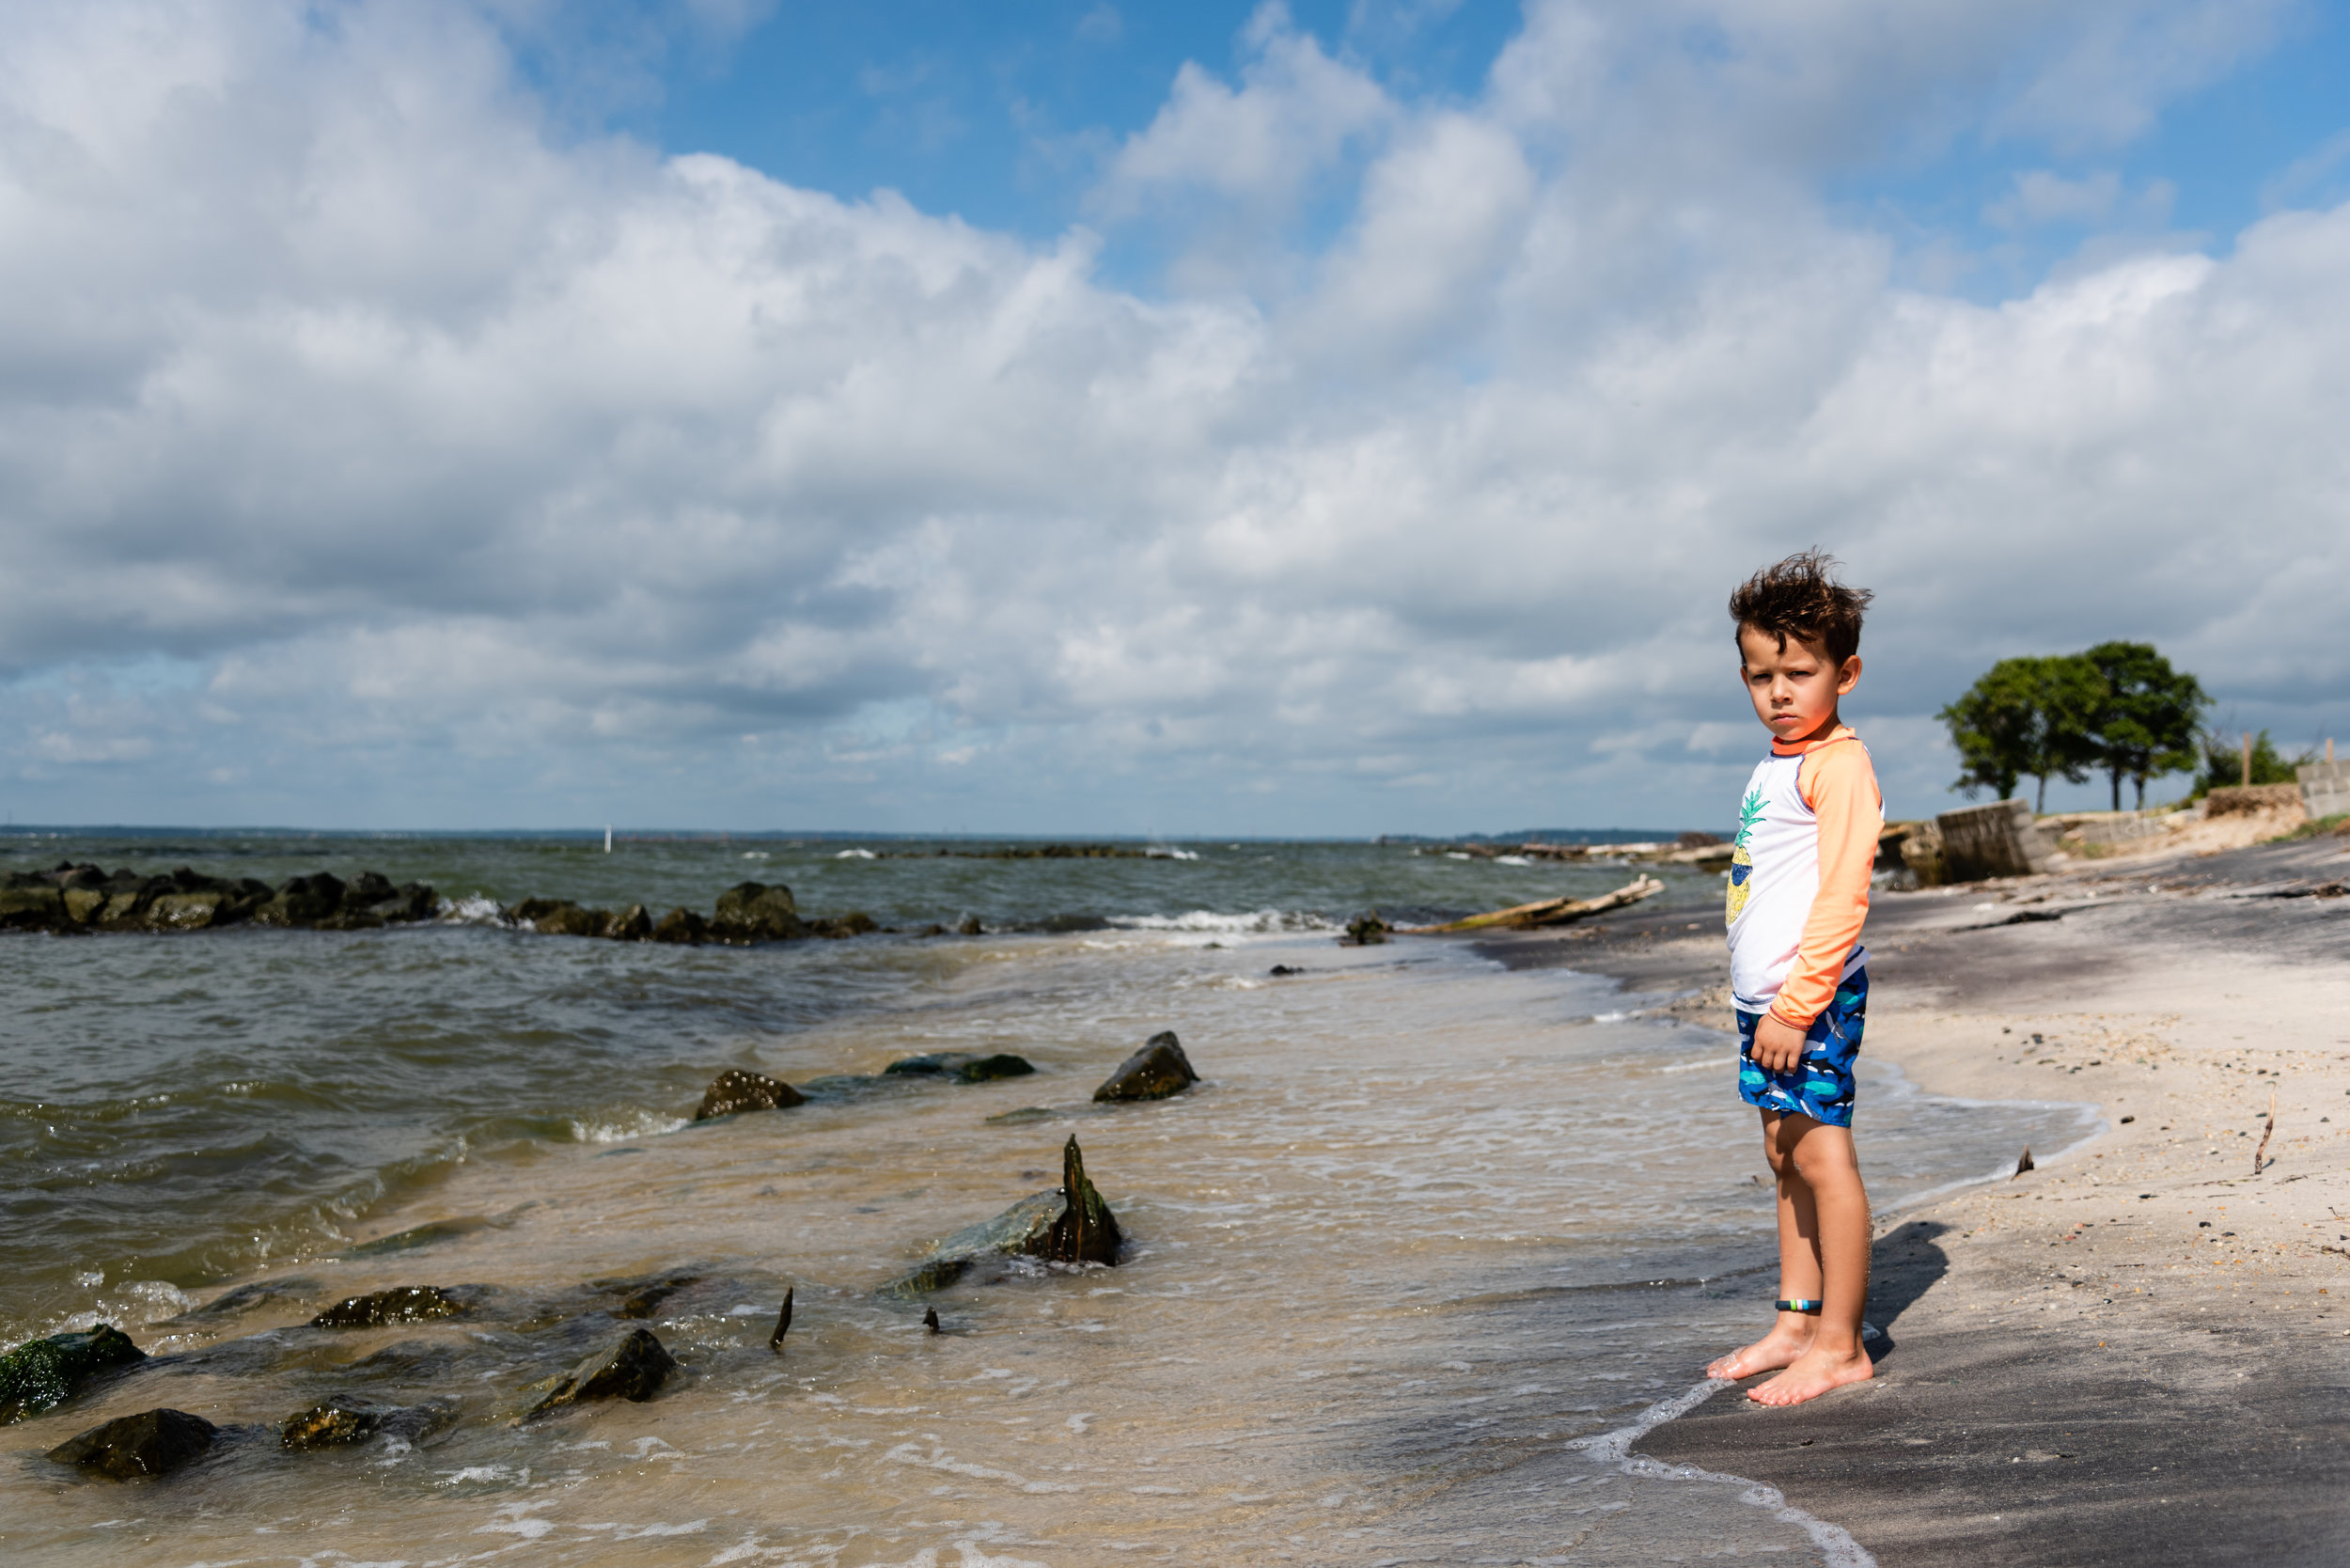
x=1799 y=893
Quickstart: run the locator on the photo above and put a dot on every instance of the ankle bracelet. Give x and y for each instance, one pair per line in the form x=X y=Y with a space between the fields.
x=1797 y=1304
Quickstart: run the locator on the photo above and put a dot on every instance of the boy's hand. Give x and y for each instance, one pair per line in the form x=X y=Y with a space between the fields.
x=1777 y=1044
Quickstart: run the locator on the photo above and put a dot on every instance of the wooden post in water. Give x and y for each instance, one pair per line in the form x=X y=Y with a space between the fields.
x=2247 y=758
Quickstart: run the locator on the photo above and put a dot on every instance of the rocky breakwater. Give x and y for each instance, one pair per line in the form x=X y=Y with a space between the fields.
x=746 y=913
x=79 y=898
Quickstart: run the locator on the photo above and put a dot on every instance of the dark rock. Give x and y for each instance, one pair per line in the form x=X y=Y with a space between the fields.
x=329 y=1426
x=736 y=1089
x=148 y=1444
x=681 y=925
x=303 y=901
x=562 y=917
x=32 y=909
x=646 y=1299
x=1067 y=1224
x=1158 y=1070
x=962 y=1066
x=632 y=924
x=783 y=1324
x=854 y=923
x=930 y=1319
x=43 y=1374
x=1280 y=969
x=1365 y=930
x=754 y=911
x=971 y=927
x=633 y=1369
x=400 y=1303
x=932 y=929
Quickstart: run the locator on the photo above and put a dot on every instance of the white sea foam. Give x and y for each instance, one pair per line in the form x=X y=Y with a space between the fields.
x=1157 y=853
x=1512 y=860
x=856 y=854
x=630 y=1124
x=756 y=854
x=1838 y=1549
x=475 y=911
x=1206 y=920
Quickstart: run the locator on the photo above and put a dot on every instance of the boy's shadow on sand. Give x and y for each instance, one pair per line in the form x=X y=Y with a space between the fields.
x=1902 y=1266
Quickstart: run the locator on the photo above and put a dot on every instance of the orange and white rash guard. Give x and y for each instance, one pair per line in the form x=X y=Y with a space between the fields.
x=1799 y=878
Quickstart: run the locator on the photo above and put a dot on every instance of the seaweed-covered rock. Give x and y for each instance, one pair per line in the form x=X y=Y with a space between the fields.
x=1153 y=1072
x=635 y=1368
x=754 y=911
x=339 y=1422
x=331 y=1425
x=32 y=909
x=681 y=925
x=854 y=923
x=1365 y=930
x=43 y=1374
x=736 y=1089
x=962 y=1066
x=148 y=1444
x=1067 y=1224
x=644 y=1298
x=400 y=1303
x=632 y=924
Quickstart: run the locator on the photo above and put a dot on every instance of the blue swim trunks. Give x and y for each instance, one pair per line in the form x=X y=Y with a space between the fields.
x=1821 y=1086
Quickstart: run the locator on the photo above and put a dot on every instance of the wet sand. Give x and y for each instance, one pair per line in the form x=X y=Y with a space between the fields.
x=2139 y=1351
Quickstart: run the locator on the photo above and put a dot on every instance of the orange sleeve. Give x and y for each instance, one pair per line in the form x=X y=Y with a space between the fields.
x=1841 y=787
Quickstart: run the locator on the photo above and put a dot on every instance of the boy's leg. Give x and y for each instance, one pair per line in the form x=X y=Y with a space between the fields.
x=1798 y=1262
x=1833 y=1216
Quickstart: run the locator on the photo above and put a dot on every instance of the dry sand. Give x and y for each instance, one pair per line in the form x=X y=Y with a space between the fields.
x=2138 y=1352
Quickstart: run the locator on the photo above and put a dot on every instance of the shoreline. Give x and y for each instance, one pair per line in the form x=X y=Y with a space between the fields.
x=2139 y=1351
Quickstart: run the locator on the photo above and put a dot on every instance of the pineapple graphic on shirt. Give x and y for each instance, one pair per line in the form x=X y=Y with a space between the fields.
x=1742 y=863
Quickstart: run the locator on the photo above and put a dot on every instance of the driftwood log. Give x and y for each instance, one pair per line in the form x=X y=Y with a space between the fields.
x=1548 y=912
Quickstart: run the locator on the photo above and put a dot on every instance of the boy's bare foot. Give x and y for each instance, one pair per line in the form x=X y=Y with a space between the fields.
x=1781 y=1347
x=1811 y=1375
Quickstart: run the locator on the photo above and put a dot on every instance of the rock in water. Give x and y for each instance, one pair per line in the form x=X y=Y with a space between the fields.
x=329 y=1426
x=783 y=1324
x=962 y=1066
x=1158 y=1070
x=400 y=1303
x=44 y=1373
x=146 y=1444
x=1365 y=930
x=634 y=1369
x=1068 y=1224
x=929 y=1320
x=736 y=1089
x=681 y=925
x=754 y=911
x=971 y=927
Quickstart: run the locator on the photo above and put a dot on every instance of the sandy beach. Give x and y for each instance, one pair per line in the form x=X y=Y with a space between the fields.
x=2139 y=1351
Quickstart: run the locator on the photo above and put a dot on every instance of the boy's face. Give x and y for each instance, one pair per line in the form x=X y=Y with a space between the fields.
x=1794 y=688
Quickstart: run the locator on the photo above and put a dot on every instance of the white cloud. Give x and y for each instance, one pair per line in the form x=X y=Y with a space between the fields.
x=483 y=477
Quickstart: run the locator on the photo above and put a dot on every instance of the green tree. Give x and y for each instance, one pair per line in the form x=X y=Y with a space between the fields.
x=2148 y=725
x=2223 y=762
x=2029 y=716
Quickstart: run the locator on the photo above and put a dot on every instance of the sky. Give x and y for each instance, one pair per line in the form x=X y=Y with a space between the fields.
x=1076 y=418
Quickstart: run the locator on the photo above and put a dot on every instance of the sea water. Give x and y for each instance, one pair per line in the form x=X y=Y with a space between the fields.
x=1428 y=1232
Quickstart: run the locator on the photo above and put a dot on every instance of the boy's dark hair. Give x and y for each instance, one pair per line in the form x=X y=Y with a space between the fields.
x=1800 y=598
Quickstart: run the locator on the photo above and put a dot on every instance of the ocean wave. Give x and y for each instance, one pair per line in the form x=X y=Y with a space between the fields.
x=624 y=1126
x=475 y=911
x=856 y=854
x=1205 y=920
x=1157 y=853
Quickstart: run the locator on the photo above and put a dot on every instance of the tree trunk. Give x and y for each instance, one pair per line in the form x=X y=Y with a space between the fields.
x=2115 y=774
x=2039 y=804
x=2141 y=791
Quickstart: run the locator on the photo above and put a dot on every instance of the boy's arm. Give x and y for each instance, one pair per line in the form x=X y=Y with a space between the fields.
x=1841 y=790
